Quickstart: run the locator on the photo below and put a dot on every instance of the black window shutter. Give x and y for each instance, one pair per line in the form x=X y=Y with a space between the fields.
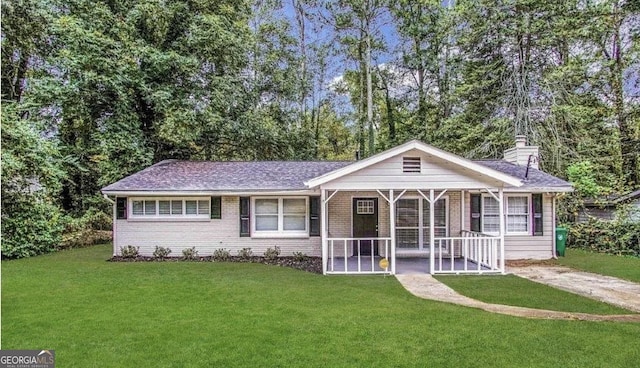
x=537 y=214
x=245 y=218
x=216 y=207
x=314 y=216
x=121 y=208
x=476 y=212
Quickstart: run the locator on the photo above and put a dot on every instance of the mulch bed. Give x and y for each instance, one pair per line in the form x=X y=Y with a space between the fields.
x=310 y=264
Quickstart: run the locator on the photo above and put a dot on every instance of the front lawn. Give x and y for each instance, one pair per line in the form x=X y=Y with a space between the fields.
x=624 y=267
x=176 y=314
x=514 y=290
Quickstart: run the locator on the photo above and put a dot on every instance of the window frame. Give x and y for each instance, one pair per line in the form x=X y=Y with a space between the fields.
x=423 y=243
x=527 y=231
x=156 y=216
x=506 y=214
x=280 y=232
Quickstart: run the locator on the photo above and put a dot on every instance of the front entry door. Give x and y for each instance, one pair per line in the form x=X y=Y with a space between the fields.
x=365 y=225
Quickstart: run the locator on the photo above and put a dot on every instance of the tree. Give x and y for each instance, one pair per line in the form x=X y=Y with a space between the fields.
x=31 y=178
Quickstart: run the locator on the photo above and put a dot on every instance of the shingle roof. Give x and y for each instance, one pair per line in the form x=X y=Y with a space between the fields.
x=187 y=176
x=535 y=180
x=172 y=175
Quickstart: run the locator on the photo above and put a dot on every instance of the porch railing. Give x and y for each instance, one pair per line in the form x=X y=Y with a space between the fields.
x=358 y=255
x=472 y=252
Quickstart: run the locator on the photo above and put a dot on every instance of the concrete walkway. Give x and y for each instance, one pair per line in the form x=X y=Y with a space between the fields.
x=612 y=290
x=426 y=287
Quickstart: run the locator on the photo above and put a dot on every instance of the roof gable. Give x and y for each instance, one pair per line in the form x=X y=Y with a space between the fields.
x=455 y=160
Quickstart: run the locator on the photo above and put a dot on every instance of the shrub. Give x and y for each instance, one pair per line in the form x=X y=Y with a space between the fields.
x=190 y=254
x=221 y=254
x=272 y=253
x=245 y=253
x=300 y=257
x=161 y=252
x=29 y=226
x=612 y=237
x=129 y=251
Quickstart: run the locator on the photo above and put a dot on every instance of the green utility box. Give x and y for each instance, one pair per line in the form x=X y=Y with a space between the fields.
x=561 y=240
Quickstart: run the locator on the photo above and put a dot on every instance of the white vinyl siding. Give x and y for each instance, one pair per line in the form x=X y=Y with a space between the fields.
x=159 y=208
x=280 y=216
x=435 y=173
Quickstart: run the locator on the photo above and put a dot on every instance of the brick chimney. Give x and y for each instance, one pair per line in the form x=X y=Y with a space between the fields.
x=520 y=154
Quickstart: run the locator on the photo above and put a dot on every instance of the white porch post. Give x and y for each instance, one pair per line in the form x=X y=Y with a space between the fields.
x=324 y=234
x=432 y=233
x=462 y=215
x=392 y=230
x=502 y=229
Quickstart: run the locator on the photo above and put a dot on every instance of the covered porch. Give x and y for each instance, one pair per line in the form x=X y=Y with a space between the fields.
x=440 y=244
x=412 y=201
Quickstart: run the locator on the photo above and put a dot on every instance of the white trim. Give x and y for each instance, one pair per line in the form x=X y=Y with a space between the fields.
x=501 y=203
x=115 y=226
x=210 y=193
x=392 y=231
x=417 y=145
x=324 y=234
x=502 y=212
x=331 y=196
x=169 y=217
x=280 y=233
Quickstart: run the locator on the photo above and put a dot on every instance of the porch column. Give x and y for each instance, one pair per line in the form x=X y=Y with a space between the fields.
x=432 y=233
x=462 y=214
x=392 y=230
x=502 y=228
x=324 y=234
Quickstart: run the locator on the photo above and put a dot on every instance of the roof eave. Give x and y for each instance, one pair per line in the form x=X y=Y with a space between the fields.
x=197 y=193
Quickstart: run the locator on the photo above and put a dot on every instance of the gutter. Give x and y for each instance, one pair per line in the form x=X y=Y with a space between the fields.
x=554 y=249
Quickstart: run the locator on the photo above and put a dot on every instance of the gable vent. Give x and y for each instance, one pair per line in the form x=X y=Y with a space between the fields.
x=411 y=164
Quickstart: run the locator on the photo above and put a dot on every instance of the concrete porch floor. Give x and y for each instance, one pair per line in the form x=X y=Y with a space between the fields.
x=410 y=265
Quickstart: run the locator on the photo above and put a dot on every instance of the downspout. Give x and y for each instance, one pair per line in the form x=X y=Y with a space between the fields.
x=553 y=227
x=113 y=220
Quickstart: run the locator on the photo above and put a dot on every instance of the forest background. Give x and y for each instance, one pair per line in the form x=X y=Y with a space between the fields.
x=94 y=90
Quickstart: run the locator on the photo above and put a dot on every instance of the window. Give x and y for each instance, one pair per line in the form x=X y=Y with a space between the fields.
x=517 y=215
x=439 y=221
x=169 y=208
x=411 y=164
x=413 y=222
x=365 y=207
x=286 y=215
x=490 y=215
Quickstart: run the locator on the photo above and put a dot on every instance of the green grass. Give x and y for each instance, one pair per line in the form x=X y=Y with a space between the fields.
x=100 y=314
x=514 y=290
x=627 y=268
